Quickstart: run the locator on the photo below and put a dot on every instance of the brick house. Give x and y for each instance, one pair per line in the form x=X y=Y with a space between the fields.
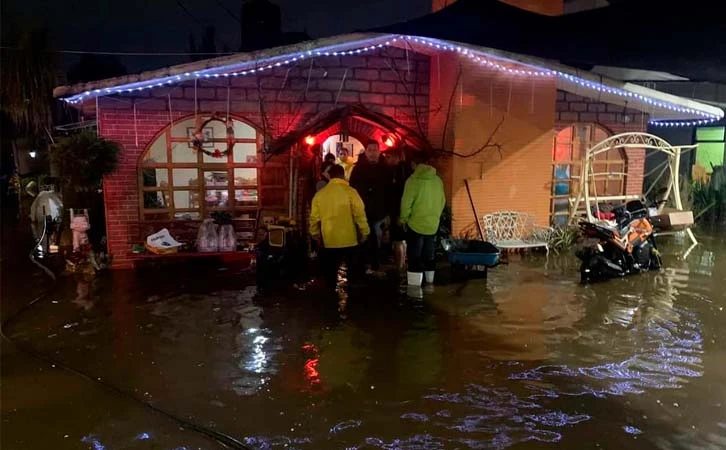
x=513 y=125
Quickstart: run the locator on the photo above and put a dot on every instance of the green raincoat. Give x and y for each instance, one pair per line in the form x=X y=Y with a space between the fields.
x=423 y=200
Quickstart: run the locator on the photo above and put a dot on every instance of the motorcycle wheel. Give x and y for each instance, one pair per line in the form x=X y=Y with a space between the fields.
x=598 y=268
x=643 y=256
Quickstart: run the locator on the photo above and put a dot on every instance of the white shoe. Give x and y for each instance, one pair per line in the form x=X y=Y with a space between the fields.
x=414 y=278
x=430 y=276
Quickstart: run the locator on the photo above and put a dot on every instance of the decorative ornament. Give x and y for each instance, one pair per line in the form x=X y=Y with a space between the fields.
x=198 y=136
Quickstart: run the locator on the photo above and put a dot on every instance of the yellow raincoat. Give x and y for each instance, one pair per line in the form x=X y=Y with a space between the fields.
x=348 y=164
x=339 y=213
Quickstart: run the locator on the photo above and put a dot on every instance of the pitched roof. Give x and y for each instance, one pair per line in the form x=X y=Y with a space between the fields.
x=325 y=120
x=661 y=106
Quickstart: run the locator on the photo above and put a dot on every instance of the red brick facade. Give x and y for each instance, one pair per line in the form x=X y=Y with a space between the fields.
x=386 y=82
x=572 y=108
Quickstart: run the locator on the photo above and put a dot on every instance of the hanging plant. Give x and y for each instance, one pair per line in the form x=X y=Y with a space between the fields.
x=198 y=136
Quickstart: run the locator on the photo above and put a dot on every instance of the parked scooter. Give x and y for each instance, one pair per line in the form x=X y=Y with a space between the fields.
x=625 y=248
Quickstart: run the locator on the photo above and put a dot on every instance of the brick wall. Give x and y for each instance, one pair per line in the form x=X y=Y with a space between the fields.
x=616 y=119
x=386 y=81
x=514 y=178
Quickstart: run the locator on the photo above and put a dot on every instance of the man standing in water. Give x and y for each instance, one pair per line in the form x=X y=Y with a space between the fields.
x=338 y=219
x=400 y=171
x=371 y=178
x=421 y=207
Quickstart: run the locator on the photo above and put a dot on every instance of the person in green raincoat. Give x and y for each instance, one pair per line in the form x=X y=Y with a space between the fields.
x=421 y=207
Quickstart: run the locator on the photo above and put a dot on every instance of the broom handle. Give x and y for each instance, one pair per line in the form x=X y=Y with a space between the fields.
x=473 y=208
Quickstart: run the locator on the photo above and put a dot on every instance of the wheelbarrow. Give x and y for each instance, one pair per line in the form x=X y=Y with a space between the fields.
x=471 y=256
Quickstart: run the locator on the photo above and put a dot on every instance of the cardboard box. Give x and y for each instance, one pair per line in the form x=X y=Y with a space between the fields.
x=673 y=220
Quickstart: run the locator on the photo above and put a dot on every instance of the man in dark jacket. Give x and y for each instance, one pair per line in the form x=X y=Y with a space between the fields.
x=371 y=177
x=400 y=171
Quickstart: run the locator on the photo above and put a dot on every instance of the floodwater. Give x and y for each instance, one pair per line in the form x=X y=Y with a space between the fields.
x=528 y=359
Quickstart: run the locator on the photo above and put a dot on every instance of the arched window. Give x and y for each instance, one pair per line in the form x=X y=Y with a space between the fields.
x=176 y=181
x=568 y=153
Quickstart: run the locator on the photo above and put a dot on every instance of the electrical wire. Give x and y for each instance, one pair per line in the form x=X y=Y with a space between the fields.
x=223 y=439
x=194 y=18
x=227 y=10
x=91 y=52
x=189 y=13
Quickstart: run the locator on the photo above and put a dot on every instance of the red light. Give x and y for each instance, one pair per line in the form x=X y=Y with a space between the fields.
x=310 y=140
x=310 y=348
x=311 y=371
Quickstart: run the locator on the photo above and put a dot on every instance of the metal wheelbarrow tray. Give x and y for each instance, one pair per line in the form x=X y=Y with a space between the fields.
x=476 y=255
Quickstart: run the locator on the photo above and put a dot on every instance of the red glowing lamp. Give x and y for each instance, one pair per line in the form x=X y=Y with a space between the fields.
x=310 y=140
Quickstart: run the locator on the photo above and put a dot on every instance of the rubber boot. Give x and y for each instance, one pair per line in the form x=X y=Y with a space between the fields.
x=429 y=275
x=414 y=278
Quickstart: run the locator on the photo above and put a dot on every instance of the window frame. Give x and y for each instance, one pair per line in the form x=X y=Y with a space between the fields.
x=576 y=166
x=708 y=141
x=225 y=164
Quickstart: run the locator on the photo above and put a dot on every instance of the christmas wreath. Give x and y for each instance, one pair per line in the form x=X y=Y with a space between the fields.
x=198 y=136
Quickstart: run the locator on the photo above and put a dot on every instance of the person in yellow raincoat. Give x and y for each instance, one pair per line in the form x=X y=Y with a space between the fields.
x=347 y=161
x=338 y=221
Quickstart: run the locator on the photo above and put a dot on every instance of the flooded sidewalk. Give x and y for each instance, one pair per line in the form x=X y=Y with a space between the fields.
x=526 y=359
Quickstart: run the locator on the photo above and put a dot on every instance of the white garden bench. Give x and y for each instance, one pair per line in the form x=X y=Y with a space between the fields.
x=515 y=230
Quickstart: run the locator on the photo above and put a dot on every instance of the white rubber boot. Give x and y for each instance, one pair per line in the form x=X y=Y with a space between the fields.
x=430 y=276
x=414 y=278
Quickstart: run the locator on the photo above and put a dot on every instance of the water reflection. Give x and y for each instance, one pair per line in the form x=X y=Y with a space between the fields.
x=524 y=359
x=522 y=321
x=344 y=357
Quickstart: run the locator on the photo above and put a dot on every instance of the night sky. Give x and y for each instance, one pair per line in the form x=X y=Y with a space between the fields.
x=163 y=26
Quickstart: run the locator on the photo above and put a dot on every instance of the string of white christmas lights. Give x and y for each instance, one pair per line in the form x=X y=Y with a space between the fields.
x=222 y=71
x=481 y=58
x=682 y=123
x=599 y=87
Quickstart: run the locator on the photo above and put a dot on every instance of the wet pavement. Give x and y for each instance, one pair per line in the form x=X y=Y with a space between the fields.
x=526 y=359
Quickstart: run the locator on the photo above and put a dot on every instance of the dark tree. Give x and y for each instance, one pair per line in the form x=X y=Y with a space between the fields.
x=27 y=79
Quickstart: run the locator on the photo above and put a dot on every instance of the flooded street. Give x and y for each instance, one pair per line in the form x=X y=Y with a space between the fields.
x=527 y=359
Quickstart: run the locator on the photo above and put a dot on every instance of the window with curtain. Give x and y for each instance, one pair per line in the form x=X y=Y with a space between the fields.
x=179 y=182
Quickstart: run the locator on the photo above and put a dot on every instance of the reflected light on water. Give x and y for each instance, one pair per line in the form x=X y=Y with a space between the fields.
x=256 y=354
x=311 y=371
x=526 y=358
x=257 y=361
x=93 y=442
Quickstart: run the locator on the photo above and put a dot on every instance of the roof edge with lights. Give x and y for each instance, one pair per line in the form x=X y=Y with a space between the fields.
x=664 y=109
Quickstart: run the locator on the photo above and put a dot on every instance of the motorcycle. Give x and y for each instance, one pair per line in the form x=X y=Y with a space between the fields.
x=625 y=248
